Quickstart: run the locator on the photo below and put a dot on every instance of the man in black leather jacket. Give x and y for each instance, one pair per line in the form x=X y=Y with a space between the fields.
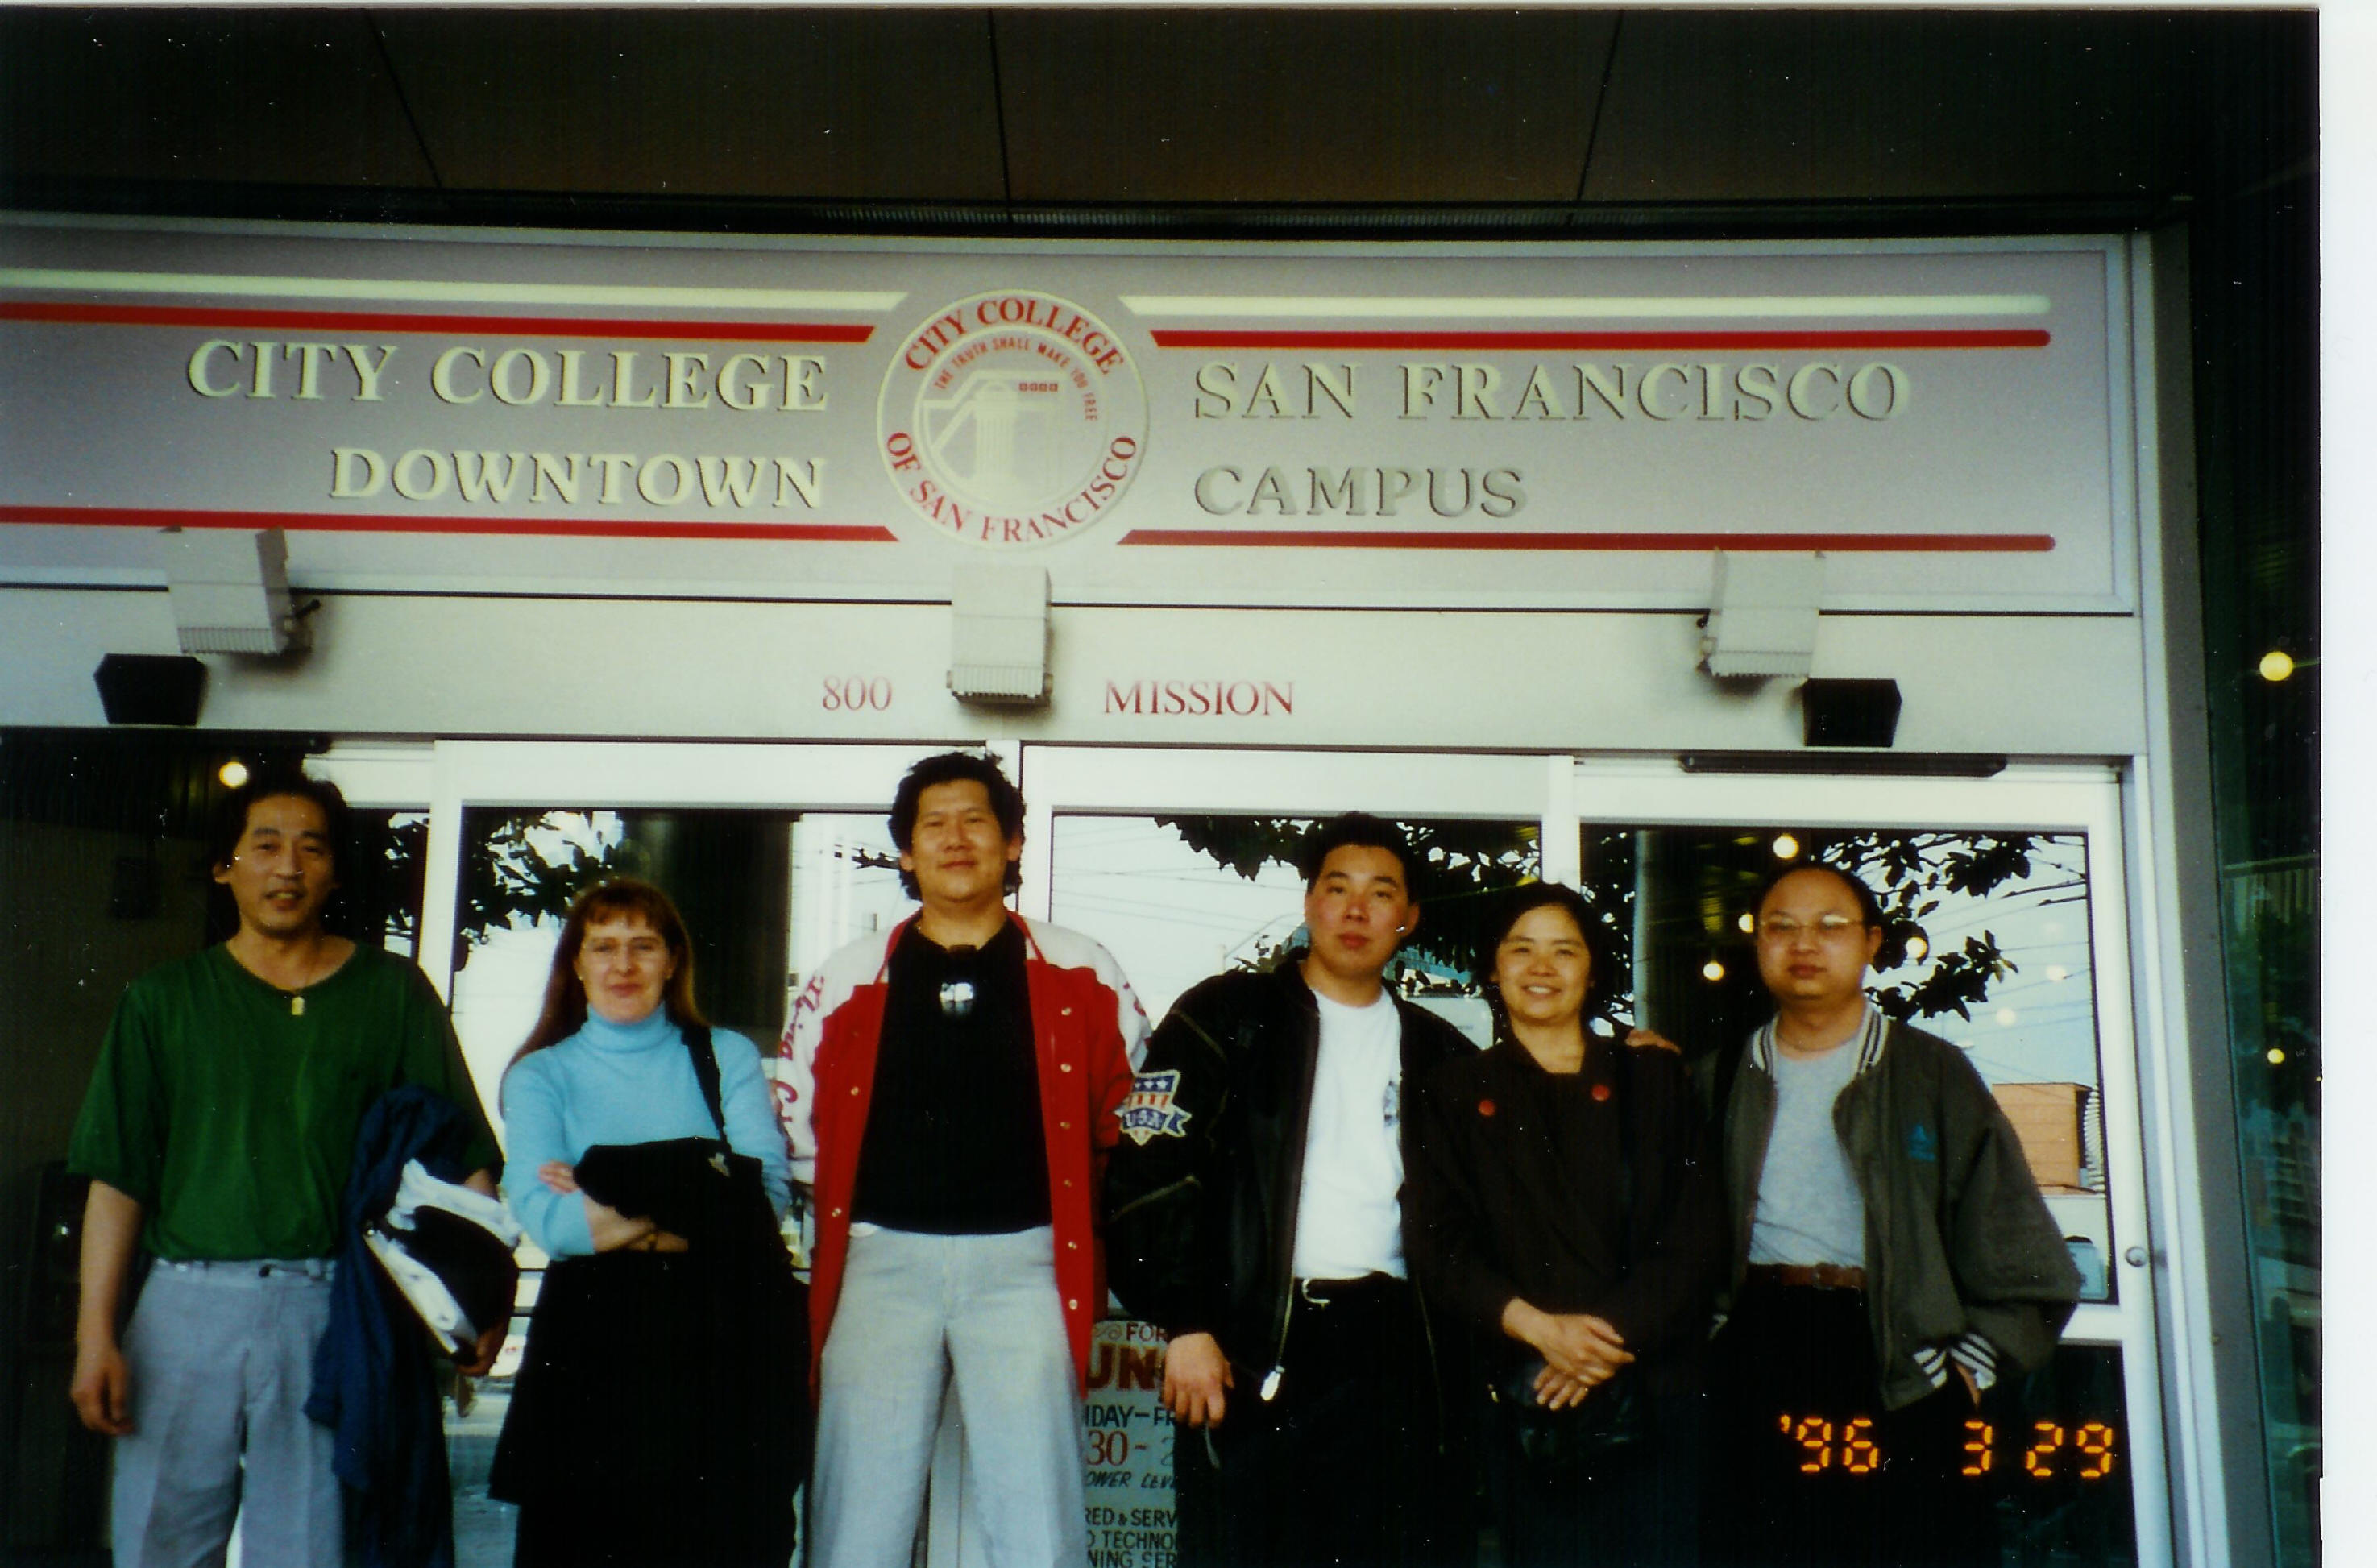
x=1254 y=1216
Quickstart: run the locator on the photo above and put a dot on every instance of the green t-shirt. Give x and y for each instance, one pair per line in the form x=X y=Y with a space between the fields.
x=230 y=1113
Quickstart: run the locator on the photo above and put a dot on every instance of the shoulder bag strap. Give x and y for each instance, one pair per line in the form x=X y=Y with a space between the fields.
x=705 y=1072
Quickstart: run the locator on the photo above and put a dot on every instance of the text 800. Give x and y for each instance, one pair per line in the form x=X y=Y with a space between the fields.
x=857 y=694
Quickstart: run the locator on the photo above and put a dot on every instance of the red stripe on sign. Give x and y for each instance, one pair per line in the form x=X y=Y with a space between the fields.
x=392 y=321
x=380 y=523
x=1315 y=539
x=1948 y=338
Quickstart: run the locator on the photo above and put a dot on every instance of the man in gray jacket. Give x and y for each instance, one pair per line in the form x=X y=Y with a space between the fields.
x=1893 y=1261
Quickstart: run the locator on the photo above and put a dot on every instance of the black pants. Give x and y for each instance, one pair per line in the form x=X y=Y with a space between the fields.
x=1812 y=1472
x=1343 y=1465
x=1639 y=1509
x=660 y=1418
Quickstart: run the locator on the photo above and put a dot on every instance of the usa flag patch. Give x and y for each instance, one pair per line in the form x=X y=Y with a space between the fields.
x=1149 y=1112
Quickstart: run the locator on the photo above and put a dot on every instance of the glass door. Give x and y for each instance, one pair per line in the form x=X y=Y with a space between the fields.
x=2012 y=900
x=2008 y=901
x=1182 y=864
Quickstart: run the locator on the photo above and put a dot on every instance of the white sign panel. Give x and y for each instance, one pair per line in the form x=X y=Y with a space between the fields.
x=1130 y=1437
x=1562 y=426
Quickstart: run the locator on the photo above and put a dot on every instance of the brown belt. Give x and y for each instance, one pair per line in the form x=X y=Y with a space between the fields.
x=1823 y=1276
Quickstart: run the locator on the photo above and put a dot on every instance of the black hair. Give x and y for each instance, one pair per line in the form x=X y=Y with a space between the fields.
x=955 y=767
x=1892 y=950
x=1357 y=829
x=230 y=823
x=1510 y=906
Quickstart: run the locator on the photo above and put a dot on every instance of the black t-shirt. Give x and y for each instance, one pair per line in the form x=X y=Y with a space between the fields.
x=954 y=1145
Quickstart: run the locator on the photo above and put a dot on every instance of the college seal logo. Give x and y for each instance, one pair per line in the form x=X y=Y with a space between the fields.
x=1013 y=417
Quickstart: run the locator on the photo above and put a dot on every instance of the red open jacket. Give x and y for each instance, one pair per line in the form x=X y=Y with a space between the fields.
x=1088 y=1034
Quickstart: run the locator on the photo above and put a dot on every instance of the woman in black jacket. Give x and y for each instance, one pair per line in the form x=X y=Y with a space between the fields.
x=1560 y=1205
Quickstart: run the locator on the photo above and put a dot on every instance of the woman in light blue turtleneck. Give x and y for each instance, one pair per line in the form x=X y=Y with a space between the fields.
x=664 y=1368
x=625 y=1084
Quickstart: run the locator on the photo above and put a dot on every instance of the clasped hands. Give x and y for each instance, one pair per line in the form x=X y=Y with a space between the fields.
x=611 y=1231
x=1580 y=1351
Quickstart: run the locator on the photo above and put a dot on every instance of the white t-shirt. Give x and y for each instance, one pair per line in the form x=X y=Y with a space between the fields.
x=1348 y=1222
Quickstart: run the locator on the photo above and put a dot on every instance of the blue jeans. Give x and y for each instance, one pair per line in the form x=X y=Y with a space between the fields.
x=222 y=1359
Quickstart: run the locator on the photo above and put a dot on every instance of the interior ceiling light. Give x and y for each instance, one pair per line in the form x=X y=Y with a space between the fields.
x=233 y=773
x=2276 y=665
x=1785 y=847
x=1713 y=970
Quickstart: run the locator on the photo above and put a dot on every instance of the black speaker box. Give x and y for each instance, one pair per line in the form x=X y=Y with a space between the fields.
x=151 y=688
x=1849 y=713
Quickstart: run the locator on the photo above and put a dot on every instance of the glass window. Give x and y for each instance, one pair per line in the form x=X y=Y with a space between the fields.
x=1178 y=898
x=1988 y=948
x=2270 y=917
x=846 y=885
x=737 y=875
x=381 y=886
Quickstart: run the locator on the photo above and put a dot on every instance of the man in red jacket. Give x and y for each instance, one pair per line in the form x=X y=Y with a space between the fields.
x=948 y=1094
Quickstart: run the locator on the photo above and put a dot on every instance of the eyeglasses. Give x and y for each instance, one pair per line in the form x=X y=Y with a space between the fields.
x=638 y=950
x=1825 y=927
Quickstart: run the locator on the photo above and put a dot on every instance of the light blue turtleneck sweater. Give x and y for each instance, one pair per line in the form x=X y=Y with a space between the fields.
x=625 y=1083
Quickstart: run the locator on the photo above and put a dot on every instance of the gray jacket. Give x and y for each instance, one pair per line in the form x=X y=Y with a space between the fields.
x=1961 y=1257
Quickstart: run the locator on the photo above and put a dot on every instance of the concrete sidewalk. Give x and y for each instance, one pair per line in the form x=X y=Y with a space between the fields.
x=482 y=1527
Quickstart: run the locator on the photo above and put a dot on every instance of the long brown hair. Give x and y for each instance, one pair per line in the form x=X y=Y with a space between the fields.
x=619 y=898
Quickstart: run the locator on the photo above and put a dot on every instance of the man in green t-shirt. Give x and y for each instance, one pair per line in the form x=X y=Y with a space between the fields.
x=218 y=1133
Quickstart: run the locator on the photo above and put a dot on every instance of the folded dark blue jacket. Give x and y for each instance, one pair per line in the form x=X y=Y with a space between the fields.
x=374 y=1381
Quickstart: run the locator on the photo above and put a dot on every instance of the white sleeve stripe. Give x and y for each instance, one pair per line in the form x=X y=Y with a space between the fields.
x=1071 y=950
x=795 y=1065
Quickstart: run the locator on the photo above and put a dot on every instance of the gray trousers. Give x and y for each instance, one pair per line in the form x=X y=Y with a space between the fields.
x=221 y=1357
x=916 y=1312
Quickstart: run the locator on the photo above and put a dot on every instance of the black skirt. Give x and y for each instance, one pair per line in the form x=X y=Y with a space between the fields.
x=661 y=1414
